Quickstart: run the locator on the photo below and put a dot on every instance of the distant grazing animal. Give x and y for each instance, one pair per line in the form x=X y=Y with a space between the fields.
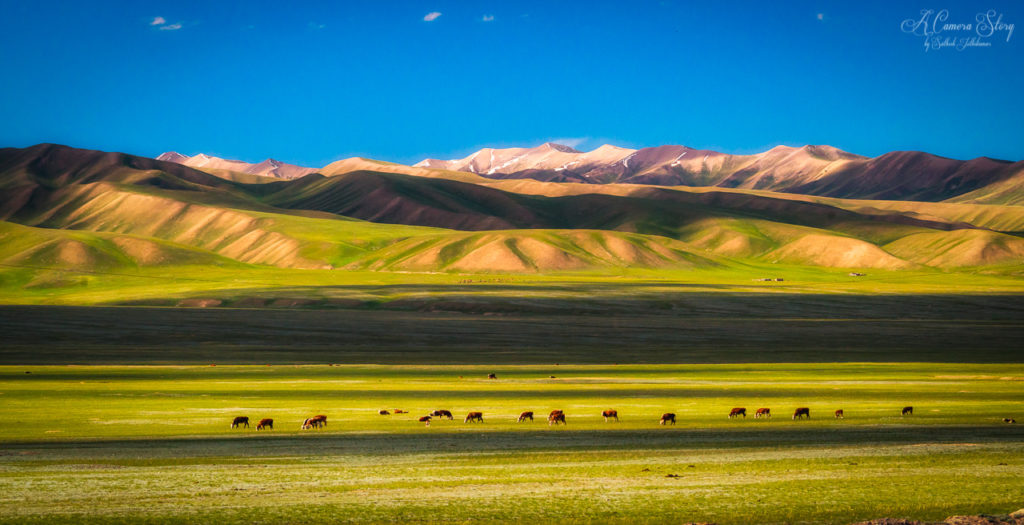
x=320 y=420
x=384 y=412
x=908 y=411
x=667 y=417
x=525 y=415
x=802 y=412
x=492 y=376
x=763 y=412
x=555 y=412
x=610 y=414
x=556 y=417
x=425 y=419
x=474 y=416
x=307 y=423
x=442 y=413
x=737 y=412
x=399 y=411
x=239 y=421
x=265 y=423
x=1009 y=420
x=840 y=415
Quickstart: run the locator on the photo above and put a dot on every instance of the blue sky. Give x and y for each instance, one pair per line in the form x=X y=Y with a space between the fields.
x=327 y=80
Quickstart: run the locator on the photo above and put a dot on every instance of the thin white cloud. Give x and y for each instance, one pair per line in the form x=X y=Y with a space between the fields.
x=488 y=18
x=821 y=16
x=317 y=26
x=171 y=27
x=431 y=16
x=158 y=21
x=572 y=142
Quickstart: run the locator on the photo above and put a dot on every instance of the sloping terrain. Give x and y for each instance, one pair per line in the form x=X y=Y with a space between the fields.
x=813 y=170
x=368 y=215
x=267 y=168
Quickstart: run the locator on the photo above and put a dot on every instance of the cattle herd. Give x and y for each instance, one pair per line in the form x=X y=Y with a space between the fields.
x=554 y=418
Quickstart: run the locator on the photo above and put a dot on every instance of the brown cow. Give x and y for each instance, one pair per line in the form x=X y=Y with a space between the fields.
x=802 y=412
x=610 y=414
x=763 y=412
x=474 y=416
x=738 y=411
x=525 y=415
x=666 y=417
x=492 y=376
x=265 y=423
x=400 y=411
x=556 y=417
x=307 y=424
x=425 y=419
x=442 y=413
x=320 y=420
x=239 y=421
x=384 y=412
x=840 y=414
x=907 y=411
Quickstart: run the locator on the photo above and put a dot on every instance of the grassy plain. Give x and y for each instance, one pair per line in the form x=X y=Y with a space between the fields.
x=152 y=444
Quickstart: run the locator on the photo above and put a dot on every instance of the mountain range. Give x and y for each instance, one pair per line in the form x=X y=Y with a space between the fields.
x=74 y=209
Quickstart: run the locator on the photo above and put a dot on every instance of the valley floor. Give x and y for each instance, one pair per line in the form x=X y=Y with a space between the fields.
x=107 y=444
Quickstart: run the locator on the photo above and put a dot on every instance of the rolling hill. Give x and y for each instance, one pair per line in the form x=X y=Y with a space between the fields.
x=66 y=208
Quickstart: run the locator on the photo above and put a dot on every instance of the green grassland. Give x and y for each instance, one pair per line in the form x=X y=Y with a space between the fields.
x=152 y=444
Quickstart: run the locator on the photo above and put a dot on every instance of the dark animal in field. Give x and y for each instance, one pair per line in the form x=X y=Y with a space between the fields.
x=474 y=416
x=555 y=412
x=1009 y=420
x=802 y=412
x=907 y=411
x=399 y=411
x=737 y=412
x=763 y=412
x=840 y=414
x=384 y=412
x=492 y=376
x=556 y=417
x=442 y=413
x=668 y=417
x=425 y=419
x=265 y=423
x=525 y=415
x=314 y=422
x=239 y=421
x=610 y=414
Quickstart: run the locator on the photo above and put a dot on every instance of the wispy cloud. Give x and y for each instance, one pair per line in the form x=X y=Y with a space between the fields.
x=171 y=27
x=317 y=26
x=488 y=18
x=158 y=21
x=431 y=16
x=572 y=142
x=821 y=16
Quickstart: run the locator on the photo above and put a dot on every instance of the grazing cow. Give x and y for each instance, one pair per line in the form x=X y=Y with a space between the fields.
x=442 y=413
x=474 y=416
x=668 y=417
x=907 y=411
x=384 y=412
x=802 y=412
x=265 y=423
x=400 y=411
x=556 y=417
x=763 y=412
x=525 y=415
x=554 y=413
x=1009 y=420
x=840 y=415
x=610 y=414
x=307 y=424
x=320 y=420
x=492 y=376
x=426 y=420
x=737 y=412
x=239 y=421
